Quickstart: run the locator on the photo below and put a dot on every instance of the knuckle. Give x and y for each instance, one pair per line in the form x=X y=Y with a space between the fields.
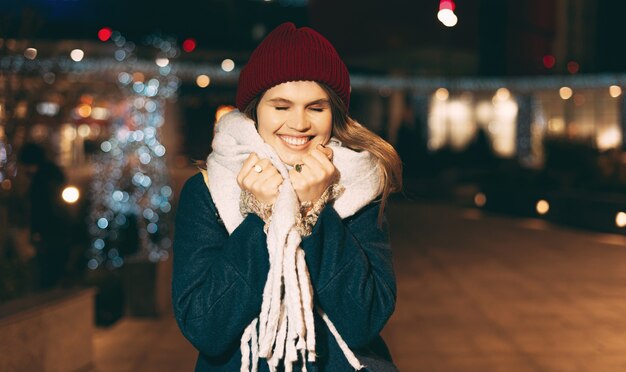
x=248 y=183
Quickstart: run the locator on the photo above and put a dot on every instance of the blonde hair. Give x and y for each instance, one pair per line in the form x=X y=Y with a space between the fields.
x=356 y=137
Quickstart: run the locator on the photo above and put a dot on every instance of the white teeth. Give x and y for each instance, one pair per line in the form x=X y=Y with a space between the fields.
x=296 y=141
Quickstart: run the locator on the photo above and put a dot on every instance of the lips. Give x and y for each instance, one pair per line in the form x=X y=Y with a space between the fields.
x=295 y=141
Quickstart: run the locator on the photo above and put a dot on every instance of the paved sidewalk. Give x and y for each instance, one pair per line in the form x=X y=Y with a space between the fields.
x=142 y=345
x=485 y=293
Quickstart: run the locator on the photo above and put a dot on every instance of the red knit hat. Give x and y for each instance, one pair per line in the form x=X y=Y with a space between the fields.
x=291 y=54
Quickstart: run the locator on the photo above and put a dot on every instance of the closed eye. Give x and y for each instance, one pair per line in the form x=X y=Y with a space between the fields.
x=281 y=108
x=317 y=109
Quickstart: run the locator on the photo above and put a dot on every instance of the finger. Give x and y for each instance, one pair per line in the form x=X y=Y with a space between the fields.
x=275 y=181
x=268 y=172
x=247 y=167
x=296 y=179
x=326 y=151
x=325 y=166
x=265 y=165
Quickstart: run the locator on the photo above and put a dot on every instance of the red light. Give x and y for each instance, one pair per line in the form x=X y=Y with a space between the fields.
x=549 y=61
x=189 y=45
x=446 y=4
x=573 y=67
x=105 y=34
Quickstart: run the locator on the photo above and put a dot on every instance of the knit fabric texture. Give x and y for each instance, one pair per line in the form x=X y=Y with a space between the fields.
x=292 y=54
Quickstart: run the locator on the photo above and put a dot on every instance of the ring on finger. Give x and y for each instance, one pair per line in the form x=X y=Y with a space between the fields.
x=298 y=167
x=257 y=168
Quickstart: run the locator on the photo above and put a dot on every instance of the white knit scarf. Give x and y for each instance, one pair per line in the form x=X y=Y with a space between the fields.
x=285 y=325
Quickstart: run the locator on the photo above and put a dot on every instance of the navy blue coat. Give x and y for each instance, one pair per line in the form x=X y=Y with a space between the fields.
x=218 y=282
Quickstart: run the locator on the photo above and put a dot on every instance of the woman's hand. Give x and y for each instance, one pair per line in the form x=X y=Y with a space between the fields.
x=260 y=178
x=317 y=172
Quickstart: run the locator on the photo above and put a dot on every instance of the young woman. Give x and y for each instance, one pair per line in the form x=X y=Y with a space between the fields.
x=281 y=251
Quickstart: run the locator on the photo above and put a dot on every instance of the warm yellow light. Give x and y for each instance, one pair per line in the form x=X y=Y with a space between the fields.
x=566 y=92
x=222 y=110
x=502 y=94
x=543 y=207
x=620 y=219
x=100 y=113
x=77 y=55
x=608 y=138
x=228 y=65
x=203 y=81
x=84 y=130
x=615 y=91
x=6 y=184
x=84 y=111
x=556 y=125
x=484 y=112
x=480 y=199
x=442 y=94
x=70 y=194
x=69 y=132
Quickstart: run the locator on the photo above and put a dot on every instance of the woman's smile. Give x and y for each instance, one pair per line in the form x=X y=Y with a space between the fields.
x=295 y=142
x=293 y=118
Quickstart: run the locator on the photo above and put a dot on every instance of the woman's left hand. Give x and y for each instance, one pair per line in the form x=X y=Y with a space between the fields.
x=317 y=172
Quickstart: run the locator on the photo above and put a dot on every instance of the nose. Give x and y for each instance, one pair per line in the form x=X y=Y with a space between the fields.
x=299 y=121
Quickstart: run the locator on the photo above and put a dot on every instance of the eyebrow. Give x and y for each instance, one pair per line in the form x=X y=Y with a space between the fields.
x=285 y=101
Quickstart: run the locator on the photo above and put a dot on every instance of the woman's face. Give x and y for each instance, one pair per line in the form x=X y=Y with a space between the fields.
x=293 y=118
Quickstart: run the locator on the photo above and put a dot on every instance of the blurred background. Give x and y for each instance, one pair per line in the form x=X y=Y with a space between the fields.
x=508 y=115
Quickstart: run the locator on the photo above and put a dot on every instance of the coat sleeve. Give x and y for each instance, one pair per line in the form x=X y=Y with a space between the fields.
x=351 y=272
x=218 y=280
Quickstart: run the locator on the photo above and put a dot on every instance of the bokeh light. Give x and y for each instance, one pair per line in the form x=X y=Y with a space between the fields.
x=30 y=53
x=70 y=194
x=189 y=45
x=77 y=55
x=615 y=91
x=566 y=92
x=480 y=199
x=105 y=34
x=228 y=65
x=549 y=61
x=442 y=94
x=542 y=207
x=203 y=81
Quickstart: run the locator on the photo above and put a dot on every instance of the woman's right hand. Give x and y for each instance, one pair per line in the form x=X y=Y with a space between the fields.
x=264 y=184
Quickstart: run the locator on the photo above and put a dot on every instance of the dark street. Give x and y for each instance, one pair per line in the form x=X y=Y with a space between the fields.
x=475 y=293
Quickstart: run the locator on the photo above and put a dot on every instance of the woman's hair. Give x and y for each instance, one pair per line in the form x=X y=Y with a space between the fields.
x=356 y=137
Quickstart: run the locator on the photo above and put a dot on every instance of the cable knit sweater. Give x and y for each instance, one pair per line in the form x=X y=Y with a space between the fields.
x=219 y=278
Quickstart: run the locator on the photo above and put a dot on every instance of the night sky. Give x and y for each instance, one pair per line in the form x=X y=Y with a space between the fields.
x=505 y=37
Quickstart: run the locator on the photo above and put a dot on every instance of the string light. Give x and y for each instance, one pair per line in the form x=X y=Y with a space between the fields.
x=134 y=153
